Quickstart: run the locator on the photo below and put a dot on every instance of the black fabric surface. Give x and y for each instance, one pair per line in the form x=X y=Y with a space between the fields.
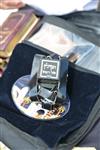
x=83 y=89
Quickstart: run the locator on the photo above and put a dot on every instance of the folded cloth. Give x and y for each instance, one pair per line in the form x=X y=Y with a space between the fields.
x=83 y=89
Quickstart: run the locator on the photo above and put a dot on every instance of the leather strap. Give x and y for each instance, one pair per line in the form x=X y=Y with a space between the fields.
x=42 y=90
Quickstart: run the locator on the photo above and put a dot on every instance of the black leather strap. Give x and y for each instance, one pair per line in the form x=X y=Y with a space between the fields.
x=59 y=89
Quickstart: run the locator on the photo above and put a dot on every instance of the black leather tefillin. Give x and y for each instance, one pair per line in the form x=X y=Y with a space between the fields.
x=48 y=83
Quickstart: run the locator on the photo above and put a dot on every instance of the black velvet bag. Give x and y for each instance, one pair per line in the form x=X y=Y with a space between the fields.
x=83 y=89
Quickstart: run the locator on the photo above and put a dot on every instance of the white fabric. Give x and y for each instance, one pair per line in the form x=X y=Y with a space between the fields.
x=57 y=7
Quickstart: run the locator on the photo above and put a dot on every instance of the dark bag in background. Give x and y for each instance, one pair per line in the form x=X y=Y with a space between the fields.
x=88 y=22
x=82 y=99
x=84 y=91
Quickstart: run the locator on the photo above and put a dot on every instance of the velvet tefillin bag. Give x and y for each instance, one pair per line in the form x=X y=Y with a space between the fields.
x=70 y=92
